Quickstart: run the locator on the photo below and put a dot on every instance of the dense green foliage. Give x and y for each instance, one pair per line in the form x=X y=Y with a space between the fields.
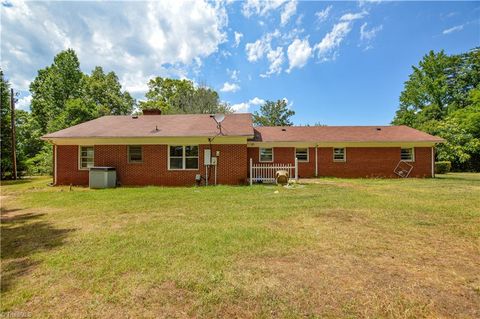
x=62 y=96
x=174 y=96
x=442 y=97
x=274 y=114
x=443 y=167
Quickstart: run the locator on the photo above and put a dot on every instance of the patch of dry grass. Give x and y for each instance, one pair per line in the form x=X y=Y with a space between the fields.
x=332 y=248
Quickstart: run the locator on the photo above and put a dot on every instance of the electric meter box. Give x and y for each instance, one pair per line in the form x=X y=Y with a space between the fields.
x=207 y=157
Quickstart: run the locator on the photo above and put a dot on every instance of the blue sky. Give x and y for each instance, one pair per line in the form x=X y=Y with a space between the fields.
x=337 y=63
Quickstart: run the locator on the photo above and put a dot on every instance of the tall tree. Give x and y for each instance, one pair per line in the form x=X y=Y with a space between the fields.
x=54 y=86
x=105 y=91
x=274 y=114
x=442 y=97
x=63 y=96
x=173 y=96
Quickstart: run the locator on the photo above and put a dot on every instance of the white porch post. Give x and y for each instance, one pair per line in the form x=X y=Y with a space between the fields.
x=251 y=171
x=296 y=169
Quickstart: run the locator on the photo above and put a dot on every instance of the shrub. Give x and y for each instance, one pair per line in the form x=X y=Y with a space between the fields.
x=442 y=167
x=40 y=164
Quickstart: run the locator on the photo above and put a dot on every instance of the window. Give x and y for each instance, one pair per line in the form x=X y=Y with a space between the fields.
x=135 y=154
x=339 y=155
x=301 y=154
x=407 y=154
x=266 y=154
x=86 y=157
x=183 y=157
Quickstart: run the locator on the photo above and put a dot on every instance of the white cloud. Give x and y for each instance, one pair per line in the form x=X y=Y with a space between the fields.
x=453 y=29
x=288 y=11
x=362 y=3
x=276 y=59
x=298 y=53
x=233 y=74
x=24 y=103
x=323 y=14
x=368 y=35
x=133 y=39
x=245 y=106
x=230 y=87
x=326 y=48
x=257 y=101
x=238 y=38
x=260 y=7
x=353 y=16
x=257 y=49
x=332 y=40
x=240 y=107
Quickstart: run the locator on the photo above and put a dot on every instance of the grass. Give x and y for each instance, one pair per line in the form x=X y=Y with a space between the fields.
x=328 y=248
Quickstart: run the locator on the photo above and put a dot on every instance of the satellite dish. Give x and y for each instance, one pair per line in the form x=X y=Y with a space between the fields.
x=219 y=118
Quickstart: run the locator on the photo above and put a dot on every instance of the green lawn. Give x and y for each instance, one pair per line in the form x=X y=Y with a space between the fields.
x=330 y=248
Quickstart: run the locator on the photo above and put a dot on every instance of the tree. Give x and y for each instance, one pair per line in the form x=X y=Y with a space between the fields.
x=28 y=135
x=62 y=88
x=5 y=129
x=173 y=96
x=76 y=111
x=105 y=91
x=274 y=114
x=54 y=86
x=168 y=95
x=442 y=97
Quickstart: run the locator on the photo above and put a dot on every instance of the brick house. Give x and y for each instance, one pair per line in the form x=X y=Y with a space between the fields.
x=170 y=149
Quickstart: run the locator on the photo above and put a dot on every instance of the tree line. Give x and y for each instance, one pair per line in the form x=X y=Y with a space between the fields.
x=441 y=97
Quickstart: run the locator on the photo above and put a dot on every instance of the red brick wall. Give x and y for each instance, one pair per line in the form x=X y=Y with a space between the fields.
x=231 y=169
x=67 y=166
x=361 y=161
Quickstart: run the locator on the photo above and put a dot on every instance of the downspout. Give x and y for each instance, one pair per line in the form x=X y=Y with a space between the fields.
x=316 y=160
x=55 y=164
x=433 y=162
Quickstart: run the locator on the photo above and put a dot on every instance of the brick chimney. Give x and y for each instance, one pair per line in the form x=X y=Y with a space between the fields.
x=152 y=112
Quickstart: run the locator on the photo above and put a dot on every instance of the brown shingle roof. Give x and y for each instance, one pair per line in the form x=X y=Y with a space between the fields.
x=168 y=126
x=342 y=134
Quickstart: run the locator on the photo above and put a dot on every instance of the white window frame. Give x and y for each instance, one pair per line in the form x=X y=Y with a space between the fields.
x=184 y=158
x=260 y=154
x=413 y=154
x=344 y=154
x=80 y=157
x=308 y=154
x=128 y=154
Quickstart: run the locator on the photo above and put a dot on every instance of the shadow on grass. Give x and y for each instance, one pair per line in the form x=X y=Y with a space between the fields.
x=23 y=235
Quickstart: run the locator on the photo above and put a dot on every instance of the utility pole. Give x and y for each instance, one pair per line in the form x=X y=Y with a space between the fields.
x=14 y=143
